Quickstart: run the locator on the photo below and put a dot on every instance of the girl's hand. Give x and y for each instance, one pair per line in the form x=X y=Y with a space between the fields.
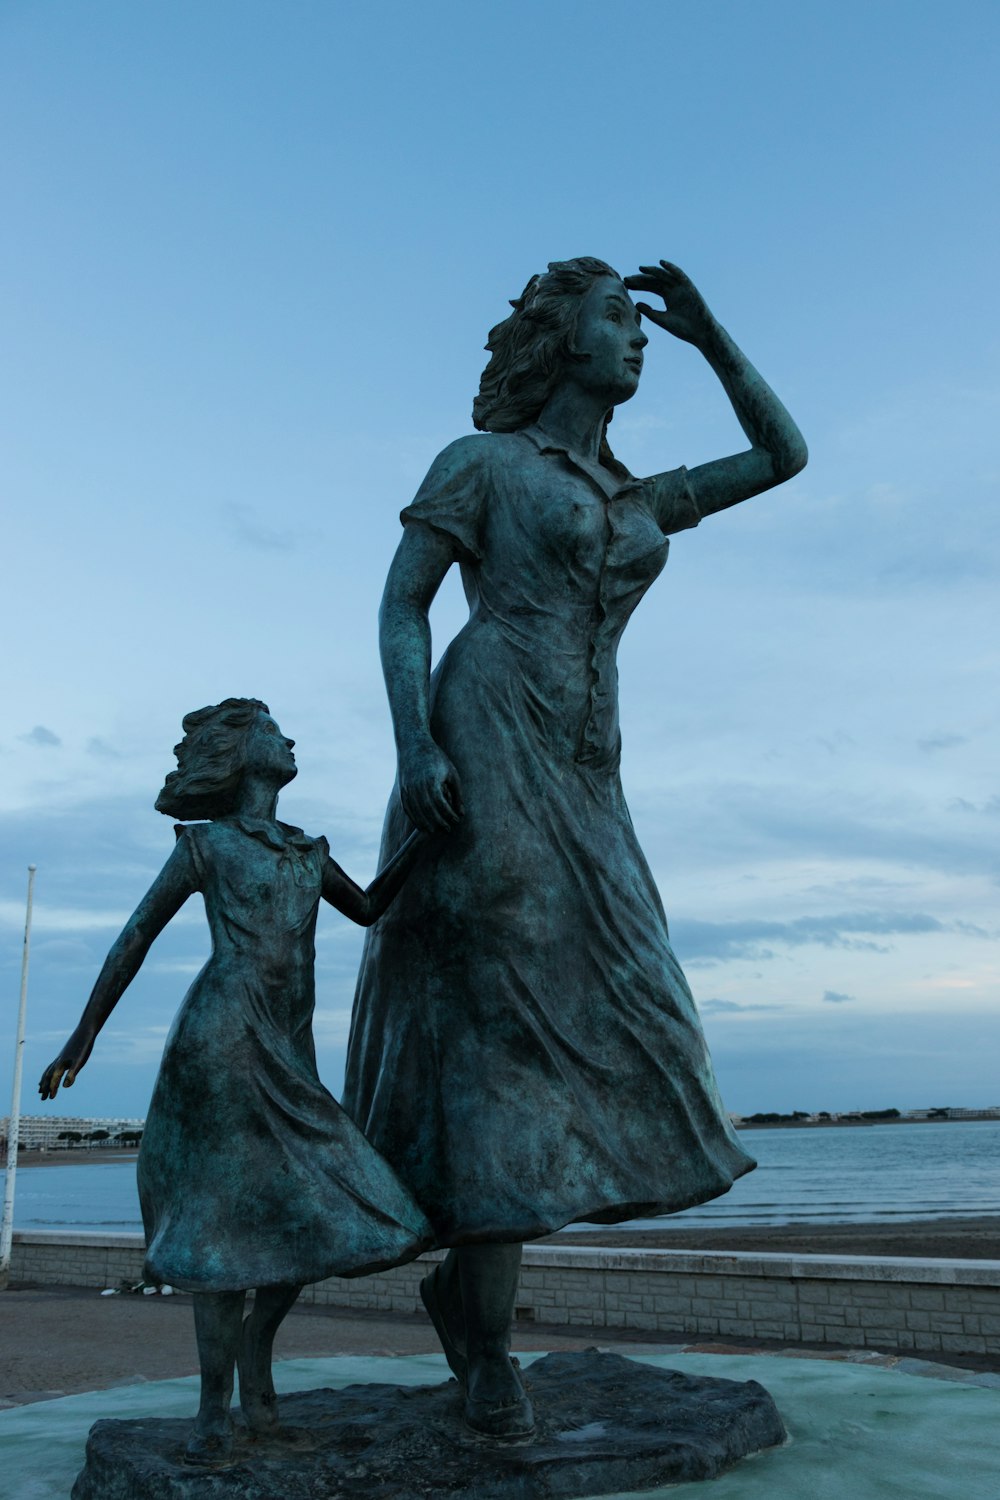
x=685 y=316
x=69 y=1062
x=429 y=789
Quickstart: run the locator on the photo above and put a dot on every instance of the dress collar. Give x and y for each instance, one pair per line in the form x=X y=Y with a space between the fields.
x=281 y=836
x=606 y=482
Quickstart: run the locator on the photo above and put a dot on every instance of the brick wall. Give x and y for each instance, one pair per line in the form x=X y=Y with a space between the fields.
x=923 y=1305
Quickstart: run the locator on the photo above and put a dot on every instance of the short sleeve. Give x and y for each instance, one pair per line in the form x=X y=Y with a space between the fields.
x=451 y=498
x=188 y=844
x=671 y=500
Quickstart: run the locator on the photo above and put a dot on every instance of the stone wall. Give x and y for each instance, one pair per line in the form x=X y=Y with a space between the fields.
x=922 y=1305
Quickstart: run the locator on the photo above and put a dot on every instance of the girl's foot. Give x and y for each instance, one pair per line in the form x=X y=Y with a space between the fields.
x=211 y=1443
x=496 y=1404
x=258 y=1399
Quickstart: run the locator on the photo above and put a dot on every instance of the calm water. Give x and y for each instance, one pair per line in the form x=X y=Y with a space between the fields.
x=819 y=1176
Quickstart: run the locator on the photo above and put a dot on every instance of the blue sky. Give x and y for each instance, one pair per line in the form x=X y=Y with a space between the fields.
x=249 y=258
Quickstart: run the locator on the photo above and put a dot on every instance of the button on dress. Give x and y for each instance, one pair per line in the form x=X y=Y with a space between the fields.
x=524 y=1048
x=250 y=1174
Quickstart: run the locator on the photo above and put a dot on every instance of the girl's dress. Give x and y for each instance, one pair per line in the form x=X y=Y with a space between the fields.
x=524 y=1048
x=250 y=1174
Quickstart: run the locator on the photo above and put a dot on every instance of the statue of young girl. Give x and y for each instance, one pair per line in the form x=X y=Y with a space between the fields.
x=250 y=1174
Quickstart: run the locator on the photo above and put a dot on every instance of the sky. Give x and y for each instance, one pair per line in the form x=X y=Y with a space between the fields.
x=249 y=257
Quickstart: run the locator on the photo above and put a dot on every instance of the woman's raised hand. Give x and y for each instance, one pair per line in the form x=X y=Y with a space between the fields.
x=69 y=1062
x=429 y=789
x=685 y=315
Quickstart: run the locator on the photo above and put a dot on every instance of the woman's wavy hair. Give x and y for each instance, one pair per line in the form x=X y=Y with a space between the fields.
x=210 y=760
x=529 y=351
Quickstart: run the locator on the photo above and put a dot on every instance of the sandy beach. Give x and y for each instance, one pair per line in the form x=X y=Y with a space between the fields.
x=973 y=1238
x=97 y=1157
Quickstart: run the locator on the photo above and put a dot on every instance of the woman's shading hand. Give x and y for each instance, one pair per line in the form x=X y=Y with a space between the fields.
x=685 y=314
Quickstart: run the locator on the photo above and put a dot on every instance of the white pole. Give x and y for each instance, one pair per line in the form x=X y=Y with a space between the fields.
x=14 y=1124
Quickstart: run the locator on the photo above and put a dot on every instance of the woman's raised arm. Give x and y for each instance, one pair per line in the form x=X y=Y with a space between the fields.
x=428 y=783
x=778 y=449
x=165 y=897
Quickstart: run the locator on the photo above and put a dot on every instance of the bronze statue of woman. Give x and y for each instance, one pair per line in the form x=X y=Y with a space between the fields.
x=525 y=1050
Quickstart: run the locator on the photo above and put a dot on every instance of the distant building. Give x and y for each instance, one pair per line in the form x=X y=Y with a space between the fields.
x=987 y=1112
x=41 y=1132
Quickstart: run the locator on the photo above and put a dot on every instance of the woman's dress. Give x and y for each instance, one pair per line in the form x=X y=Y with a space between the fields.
x=524 y=1048
x=250 y=1173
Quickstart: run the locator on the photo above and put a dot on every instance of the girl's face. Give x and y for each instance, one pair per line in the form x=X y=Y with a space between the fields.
x=269 y=753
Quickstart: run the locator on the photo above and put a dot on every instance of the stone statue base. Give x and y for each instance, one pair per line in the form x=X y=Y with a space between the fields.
x=604 y=1424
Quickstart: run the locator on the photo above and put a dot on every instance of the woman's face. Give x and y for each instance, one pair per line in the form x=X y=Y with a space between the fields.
x=607 y=330
x=269 y=753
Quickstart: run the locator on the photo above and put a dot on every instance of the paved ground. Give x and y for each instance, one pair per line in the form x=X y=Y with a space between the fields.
x=61 y=1340
x=58 y=1341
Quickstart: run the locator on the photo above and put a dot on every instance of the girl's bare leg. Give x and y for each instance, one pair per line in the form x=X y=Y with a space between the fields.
x=217 y=1321
x=258 y=1401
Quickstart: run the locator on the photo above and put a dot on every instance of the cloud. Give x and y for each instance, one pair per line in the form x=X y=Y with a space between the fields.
x=331 y=1024
x=97 y=746
x=252 y=532
x=723 y=822
x=730 y=1007
x=62 y=918
x=941 y=742
x=835 y=997
x=990 y=808
x=142 y=1044
x=40 y=735
x=858 y=931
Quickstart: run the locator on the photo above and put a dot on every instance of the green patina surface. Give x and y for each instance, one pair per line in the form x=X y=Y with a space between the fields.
x=869 y=1433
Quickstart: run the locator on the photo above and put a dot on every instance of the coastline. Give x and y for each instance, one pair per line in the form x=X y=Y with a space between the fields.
x=96 y=1156
x=976 y=1237
x=846 y=1122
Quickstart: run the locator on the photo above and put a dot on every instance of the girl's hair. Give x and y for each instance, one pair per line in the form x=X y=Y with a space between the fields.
x=529 y=351
x=210 y=760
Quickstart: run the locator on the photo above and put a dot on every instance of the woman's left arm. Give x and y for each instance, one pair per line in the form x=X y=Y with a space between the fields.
x=778 y=449
x=365 y=907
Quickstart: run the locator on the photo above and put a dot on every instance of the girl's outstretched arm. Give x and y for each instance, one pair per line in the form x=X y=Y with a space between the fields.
x=365 y=907
x=165 y=897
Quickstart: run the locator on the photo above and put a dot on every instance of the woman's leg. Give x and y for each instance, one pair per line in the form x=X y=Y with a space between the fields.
x=217 y=1321
x=441 y=1292
x=258 y=1402
x=495 y=1398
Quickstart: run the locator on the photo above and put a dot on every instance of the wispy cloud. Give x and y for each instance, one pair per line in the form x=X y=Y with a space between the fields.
x=245 y=524
x=41 y=735
x=836 y=997
x=143 y=1044
x=731 y=1007
x=331 y=1024
x=860 y=931
x=62 y=918
x=941 y=742
x=101 y=748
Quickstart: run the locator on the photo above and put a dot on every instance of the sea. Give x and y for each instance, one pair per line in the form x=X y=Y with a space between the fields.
x=819 y=1175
